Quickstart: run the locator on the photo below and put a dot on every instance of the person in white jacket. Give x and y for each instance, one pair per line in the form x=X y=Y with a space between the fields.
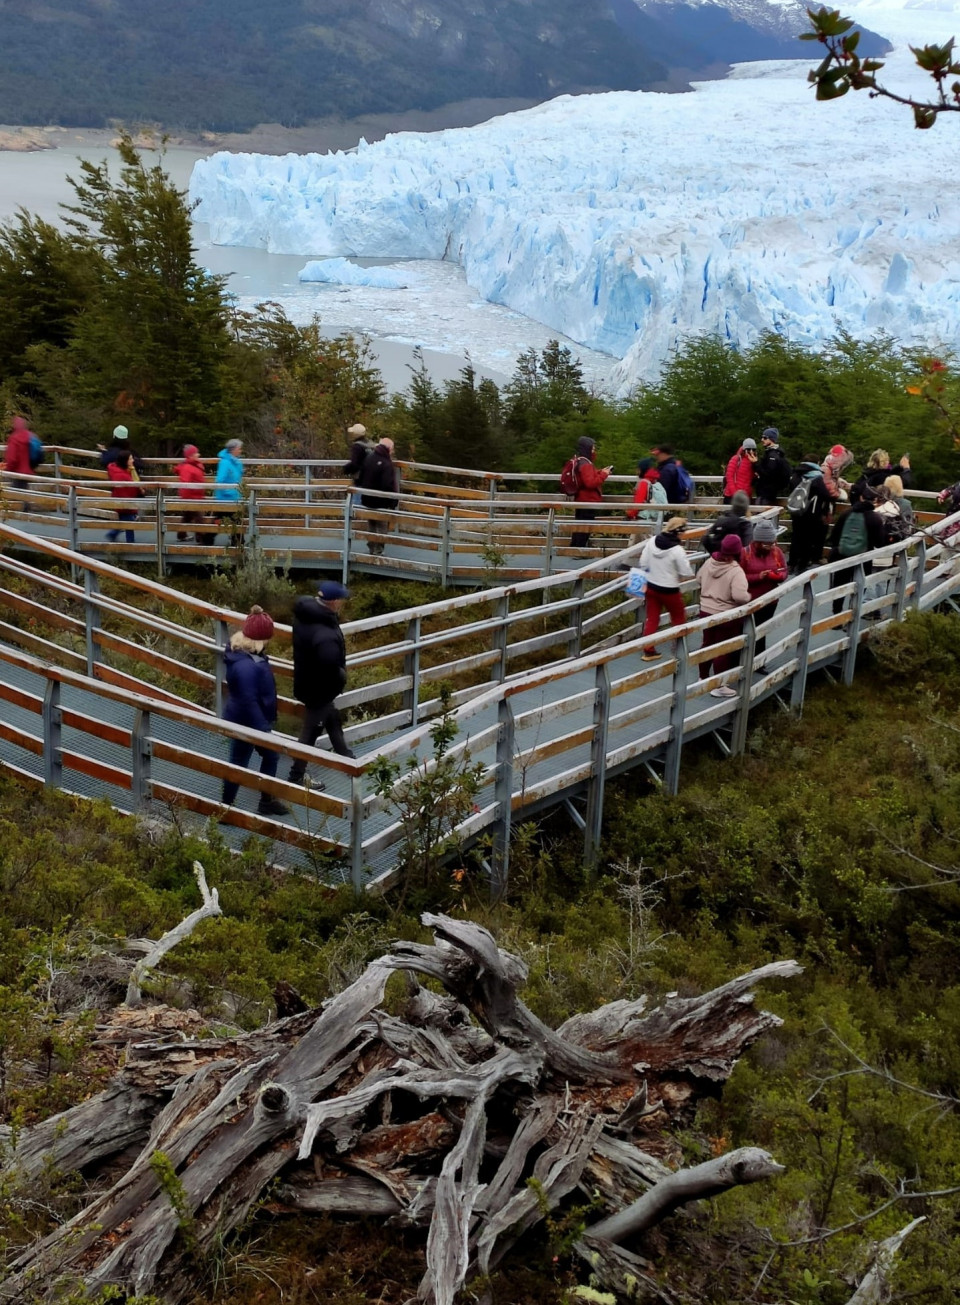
x=723 y=587
x=667 y=566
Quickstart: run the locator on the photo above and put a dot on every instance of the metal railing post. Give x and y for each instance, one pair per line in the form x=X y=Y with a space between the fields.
x=500 y=639
x=73 y=526
x=903 y=575
x=576 y=634
x=161 y=506
x=492 y=509
x=252 y=523
x=356 y=833
x=307 y=482
x=678 y=712
x=503 y=796
x=57 y=464
x=798 y=682
x=849 y=664
x=445 y=547
x=221 y=638
x=598 y=768
x=738 y=739
x=52 y=755
x=921 y=560
x=141 y=748
x=411 y=666
x=347 y=522
x=551 y=528
x=91 y=619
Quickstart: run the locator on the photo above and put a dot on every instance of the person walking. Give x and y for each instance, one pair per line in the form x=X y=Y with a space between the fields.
x=378 y=473
x=119 y=443
x=228 y=490
x=773 y=470
x=125 y=484
x=735 y=522
x=360 y=446
x=192 y=477
x=674 y=477
x=809 y=505
x=22 y=456
x=319 y=670
x=740 y=471
x=723 y=587
x=858 y=531
x=589 y=486
x=648 y=490
x=765 y=567
x=252 y=701
x=666 y=563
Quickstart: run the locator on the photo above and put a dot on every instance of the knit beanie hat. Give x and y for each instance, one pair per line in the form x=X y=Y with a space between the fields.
x=771 y=434
x=740 y=502
x=121 y=433
x=765 y=532
x=258 y=626
x=749 y=444
x=731 y=546
x=191 y=451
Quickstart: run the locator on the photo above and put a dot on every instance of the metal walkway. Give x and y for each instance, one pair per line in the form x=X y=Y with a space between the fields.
x=547 y=686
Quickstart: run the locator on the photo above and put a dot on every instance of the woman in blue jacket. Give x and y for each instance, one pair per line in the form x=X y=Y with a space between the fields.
x=252 y=702
x=227 y=491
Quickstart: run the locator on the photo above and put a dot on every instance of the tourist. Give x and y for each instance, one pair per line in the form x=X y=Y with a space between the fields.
x=252 y=701
x=773 y=470
x=120 y=443
x=735 y=522
x=764 y=565
x=22 y=456
x=378 y=473
x=588 y=488
x=674 y=477
x=896 y=487
x=648 y=490
x=859 y=530
x=878 y=468
x=665 y=561
x=723 y=587
x=837 y=460
x=191 y=475
x=740 y=471
x=125 y=484
x=319 y=670
x=360 y=446
x=228 y=490
x=809 y=505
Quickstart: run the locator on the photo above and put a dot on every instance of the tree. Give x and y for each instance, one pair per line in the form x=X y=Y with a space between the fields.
x=154 y=345
x=842 y=69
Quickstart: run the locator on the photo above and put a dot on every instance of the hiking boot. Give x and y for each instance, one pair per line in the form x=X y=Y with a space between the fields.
x=650 y=656
x=271 y=806
x=307 y=781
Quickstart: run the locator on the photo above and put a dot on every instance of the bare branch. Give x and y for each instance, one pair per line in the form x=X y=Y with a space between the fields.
x=209 y=909
x=873 y=1287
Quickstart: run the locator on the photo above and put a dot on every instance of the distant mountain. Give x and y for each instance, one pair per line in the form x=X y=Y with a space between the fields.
x=230 y=64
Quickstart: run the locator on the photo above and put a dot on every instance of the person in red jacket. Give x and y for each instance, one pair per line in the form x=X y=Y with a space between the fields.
x=589 y=487
x=764 y=566
x=17 y=457
x=125 y=485
x=740 y=469
x=191 y=475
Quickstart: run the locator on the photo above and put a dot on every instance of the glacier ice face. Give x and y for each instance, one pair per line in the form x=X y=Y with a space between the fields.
x=340 y=271
x=629 y=220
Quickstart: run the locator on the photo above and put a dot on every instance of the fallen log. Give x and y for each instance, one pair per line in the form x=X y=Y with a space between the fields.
x=439 y=1116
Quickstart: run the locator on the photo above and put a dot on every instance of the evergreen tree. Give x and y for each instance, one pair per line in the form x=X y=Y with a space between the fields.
x=423 y=404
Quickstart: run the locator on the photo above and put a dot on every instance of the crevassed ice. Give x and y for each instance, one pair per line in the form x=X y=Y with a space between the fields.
x=628 y=220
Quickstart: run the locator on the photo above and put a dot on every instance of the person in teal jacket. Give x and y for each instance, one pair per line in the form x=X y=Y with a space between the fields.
x=227 y=491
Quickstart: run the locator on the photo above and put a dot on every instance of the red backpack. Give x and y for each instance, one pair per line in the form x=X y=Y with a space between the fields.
x=570 y=477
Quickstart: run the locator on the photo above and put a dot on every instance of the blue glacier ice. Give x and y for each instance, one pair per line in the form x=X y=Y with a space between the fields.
x=627 y=221
x=340 y=271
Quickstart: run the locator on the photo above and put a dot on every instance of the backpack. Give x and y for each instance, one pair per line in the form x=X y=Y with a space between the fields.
x=570 y=477
x=36 y=454
x=854 y=536
x=896 y=529
x=798 y=501
x=657 y=493
x=684 y=484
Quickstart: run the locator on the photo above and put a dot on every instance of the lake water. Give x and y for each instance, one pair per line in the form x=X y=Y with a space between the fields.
x=438 y=311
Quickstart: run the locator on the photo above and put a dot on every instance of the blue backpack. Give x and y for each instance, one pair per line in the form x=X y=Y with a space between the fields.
x=684 y=484
x=36 y=454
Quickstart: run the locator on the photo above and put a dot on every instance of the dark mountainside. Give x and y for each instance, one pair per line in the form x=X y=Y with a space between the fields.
x=228 y=65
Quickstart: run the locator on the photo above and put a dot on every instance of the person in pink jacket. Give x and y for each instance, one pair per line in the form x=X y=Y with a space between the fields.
x=765 y=567
x=723 y=587
x=740 y=469
x=17 y=458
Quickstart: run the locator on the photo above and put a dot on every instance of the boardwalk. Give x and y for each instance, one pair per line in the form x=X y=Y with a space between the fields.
x=550 y=696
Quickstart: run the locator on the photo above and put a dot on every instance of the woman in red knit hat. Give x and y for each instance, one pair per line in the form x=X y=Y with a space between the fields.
x=252 y=702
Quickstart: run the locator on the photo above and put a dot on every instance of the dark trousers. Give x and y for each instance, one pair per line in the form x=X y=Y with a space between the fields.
x=808 y=537
x=123 y=516
x=719 y=634
x=315 y=721
x=844 y=577
x=663 y=600
x=579 y=538
x=240 y=754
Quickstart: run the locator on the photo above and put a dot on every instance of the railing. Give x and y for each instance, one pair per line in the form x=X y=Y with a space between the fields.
x=544 y=735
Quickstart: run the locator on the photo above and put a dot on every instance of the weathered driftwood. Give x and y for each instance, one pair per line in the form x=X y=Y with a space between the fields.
x=875 y=1288
x=210 y=907
x=438 y=1117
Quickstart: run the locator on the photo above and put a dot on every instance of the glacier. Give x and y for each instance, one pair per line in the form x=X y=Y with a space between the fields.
x=340 y=271
x=630 y=220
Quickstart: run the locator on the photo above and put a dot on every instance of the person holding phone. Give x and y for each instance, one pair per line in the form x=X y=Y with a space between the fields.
x=589 y=480
x=740 y=471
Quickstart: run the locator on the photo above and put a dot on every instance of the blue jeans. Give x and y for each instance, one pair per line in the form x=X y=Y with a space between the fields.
x=123 y=516
x=240 y=754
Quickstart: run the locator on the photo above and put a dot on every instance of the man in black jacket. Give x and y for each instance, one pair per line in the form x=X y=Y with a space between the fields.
x=773 y=470
x=379 y=472
x=319 y=670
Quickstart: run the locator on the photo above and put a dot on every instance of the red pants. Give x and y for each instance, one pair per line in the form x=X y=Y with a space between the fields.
x=719 y=634
x=662 y=600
